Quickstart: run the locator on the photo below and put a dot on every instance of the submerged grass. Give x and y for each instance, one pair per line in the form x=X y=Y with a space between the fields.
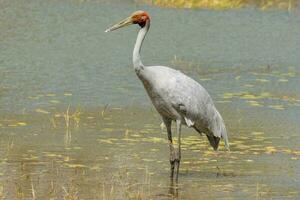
x=111 y=164
x=124 y=186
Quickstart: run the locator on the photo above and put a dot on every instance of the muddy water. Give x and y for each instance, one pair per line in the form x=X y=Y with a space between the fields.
x=75 y=122
x=118 y=153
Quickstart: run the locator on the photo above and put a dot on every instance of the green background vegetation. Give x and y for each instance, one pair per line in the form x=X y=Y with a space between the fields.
x=225 y=4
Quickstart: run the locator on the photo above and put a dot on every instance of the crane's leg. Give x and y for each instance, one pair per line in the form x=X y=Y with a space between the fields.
x=178 y=153
x=168 y=124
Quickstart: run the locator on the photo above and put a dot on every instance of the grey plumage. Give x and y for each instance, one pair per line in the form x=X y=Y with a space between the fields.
x=177 y=96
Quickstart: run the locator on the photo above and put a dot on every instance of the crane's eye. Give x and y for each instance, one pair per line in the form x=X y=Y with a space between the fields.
x=143 y=18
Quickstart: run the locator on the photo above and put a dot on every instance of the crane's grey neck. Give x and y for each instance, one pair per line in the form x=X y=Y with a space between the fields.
x=137 y=63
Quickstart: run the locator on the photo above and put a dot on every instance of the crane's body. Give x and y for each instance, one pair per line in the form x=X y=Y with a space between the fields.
x=175 y=96
x=179 y=97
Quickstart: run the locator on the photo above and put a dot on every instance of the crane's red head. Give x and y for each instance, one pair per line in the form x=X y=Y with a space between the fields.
x=138 y=17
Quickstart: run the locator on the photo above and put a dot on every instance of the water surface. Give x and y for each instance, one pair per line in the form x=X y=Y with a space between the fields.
x=109 y=143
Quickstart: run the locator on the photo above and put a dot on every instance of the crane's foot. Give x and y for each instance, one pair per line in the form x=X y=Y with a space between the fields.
x=173 y=189
x=175 y=163
x=172 y=163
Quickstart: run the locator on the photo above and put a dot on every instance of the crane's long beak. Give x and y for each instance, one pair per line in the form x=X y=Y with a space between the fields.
x=121 y=24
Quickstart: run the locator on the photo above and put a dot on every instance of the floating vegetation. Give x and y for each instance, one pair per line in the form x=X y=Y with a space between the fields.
x=13 y=123
x=108 y=140
x=50 y=95
x=68 y=94
x=113 y=156
x=295 y=152
x=283 y=80
x=75 y=165
x=277 y=107
x=255 y=103
x=54 y=101
x=262 y=80
x=40 y=110
x=271 y=150
x=259 y=100
x=253 y=79
x=257 y=133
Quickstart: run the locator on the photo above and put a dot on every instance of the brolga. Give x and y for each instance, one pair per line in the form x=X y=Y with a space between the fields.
x=175 y=96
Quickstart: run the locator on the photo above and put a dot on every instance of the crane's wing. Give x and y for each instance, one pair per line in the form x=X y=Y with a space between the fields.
x=209 y=122
x=196 y=107
x=172 y=90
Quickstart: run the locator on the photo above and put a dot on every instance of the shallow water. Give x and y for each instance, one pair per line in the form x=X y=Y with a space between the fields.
x=109 y=143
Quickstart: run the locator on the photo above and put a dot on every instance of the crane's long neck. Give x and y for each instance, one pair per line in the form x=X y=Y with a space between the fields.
x=137 y=63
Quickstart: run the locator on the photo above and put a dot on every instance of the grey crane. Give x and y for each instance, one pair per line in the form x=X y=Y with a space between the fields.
x=175 y=96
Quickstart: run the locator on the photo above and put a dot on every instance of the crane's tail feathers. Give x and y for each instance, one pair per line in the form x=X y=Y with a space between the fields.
x=226 y=142
x=214 y=141
x=218 y=128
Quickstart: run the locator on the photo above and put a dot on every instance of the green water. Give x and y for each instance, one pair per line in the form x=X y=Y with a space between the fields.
x=109 y=144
